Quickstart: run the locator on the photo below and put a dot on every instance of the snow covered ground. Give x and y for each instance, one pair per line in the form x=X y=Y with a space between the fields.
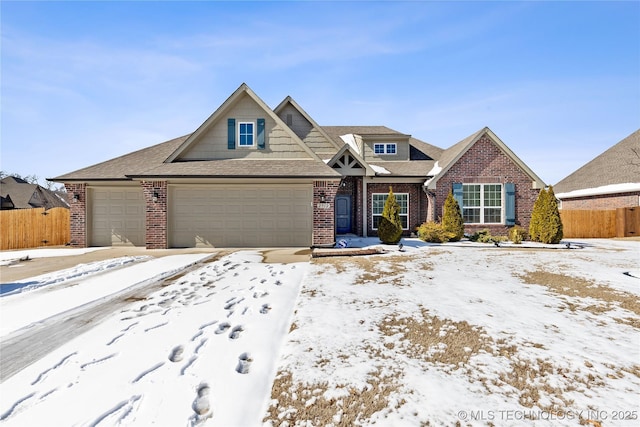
x=432 y=335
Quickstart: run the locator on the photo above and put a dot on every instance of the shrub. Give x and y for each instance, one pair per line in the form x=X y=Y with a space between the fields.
x=484 y=236
x=452 y=218
x=517 y=234
x=390 y=225
x=434 y=233
x=546 y=225
x=388 y=232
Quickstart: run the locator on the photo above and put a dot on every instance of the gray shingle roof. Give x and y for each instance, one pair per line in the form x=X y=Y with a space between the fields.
x=120 y=167
x=619 y=164
x=149 y=163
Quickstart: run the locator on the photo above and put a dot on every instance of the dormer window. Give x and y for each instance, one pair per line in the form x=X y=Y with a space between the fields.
x=246 y=134
x=390 y=148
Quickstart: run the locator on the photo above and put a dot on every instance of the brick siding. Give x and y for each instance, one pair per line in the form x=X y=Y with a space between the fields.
x=78 y=214
x=486 y=163
x=156 y=214
x=603 y=202
x=323 y=212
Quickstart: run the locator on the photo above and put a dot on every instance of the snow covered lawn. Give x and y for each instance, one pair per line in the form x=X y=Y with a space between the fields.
x=435 y=335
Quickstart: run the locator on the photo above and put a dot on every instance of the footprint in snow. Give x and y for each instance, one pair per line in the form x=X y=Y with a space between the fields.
x=177 y=354
x=244 y=363
x=222 y=328
x=266 y=308
x=260 y=294
x=235 y=332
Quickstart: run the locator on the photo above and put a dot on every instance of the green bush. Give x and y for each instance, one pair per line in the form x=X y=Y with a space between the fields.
x=434 y=233
x=390 y=225
x=517 y=234
x=484 y=236
x=546 y=224
x=452 y=218
x=388 y=232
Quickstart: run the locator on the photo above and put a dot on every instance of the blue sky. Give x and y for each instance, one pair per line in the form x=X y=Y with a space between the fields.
x=83 y=82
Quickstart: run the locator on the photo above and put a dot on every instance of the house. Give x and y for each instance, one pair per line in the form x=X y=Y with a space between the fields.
x=16 y=193
x=609 y=181
x=251 y=176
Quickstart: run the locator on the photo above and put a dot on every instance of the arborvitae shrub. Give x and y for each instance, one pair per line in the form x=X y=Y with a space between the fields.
x=434 y=233
x=452 y=218
x=517 y=234
x=390 y=225
x=388 y=232
x=546 y=224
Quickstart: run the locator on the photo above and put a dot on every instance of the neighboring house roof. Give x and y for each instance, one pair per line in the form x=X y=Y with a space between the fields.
x=617 y=170
x=451 y=155
x=17 y=193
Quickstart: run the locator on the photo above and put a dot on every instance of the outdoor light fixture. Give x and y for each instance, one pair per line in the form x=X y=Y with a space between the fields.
x=155 y=196
x=322 y=197
x=76 y=197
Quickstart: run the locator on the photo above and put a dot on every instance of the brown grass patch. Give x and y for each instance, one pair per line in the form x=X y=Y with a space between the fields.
x=377 y=269
x=582 y=288
x=298 y=402
x=439 y=341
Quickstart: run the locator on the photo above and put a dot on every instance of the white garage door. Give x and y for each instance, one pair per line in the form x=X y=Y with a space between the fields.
x=117 y=217
x=240 y=215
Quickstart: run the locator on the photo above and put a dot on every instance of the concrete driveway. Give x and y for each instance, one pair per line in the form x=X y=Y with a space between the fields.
x=39 y=266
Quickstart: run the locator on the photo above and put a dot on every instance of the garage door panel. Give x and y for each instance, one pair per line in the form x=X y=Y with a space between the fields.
x=117 y=217
x=240 y=215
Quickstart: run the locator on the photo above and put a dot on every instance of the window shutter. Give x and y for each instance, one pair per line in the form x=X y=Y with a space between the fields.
x=260 y=133
x=457 y=193
x=231 y=134
x=510 y=203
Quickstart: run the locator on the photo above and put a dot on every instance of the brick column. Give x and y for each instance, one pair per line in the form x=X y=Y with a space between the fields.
x=77 y=213
x=324 y=195
x=155 y=196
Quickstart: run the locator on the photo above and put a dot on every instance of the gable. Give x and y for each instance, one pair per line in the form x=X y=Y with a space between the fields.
x=213 y=143
x=482 y=156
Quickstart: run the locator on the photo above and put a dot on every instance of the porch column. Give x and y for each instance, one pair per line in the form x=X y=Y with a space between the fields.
x=77 y=213
x=155 y=196
x=324 y=195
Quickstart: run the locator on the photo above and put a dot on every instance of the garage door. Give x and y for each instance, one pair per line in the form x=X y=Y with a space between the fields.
x=117 y=217
x=240 y=215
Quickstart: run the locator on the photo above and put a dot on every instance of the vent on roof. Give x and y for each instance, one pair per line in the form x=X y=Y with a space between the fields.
x=289 y=119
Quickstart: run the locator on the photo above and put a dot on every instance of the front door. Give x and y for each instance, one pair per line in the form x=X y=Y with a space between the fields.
x=343 y=214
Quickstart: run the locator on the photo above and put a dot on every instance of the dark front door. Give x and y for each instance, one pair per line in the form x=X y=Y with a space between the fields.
x=343 y=214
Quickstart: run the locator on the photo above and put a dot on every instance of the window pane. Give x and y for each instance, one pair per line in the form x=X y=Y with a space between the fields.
x=376 y=221
x=377 y=204
x=471 y=215
x=378 y=148
x=493 y=195
x=470 y=195
x=405 y=221
x=391 y=148
x=492 y=215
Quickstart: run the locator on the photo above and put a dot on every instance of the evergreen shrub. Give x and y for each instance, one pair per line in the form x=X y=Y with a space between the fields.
x=434 y=233
x=452 y=218
x=546 y=224
x=517 y=234
x=390 y=225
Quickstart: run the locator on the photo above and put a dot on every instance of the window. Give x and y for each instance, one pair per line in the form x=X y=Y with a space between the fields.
x=245 y=134
x=482 y=203
x=377 y=206
x=385 y=148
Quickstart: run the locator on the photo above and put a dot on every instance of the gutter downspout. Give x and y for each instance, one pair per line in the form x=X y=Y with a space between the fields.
x=365 y=223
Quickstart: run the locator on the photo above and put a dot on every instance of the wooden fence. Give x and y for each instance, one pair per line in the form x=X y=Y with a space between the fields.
x=622 y=222
x=30 y=228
